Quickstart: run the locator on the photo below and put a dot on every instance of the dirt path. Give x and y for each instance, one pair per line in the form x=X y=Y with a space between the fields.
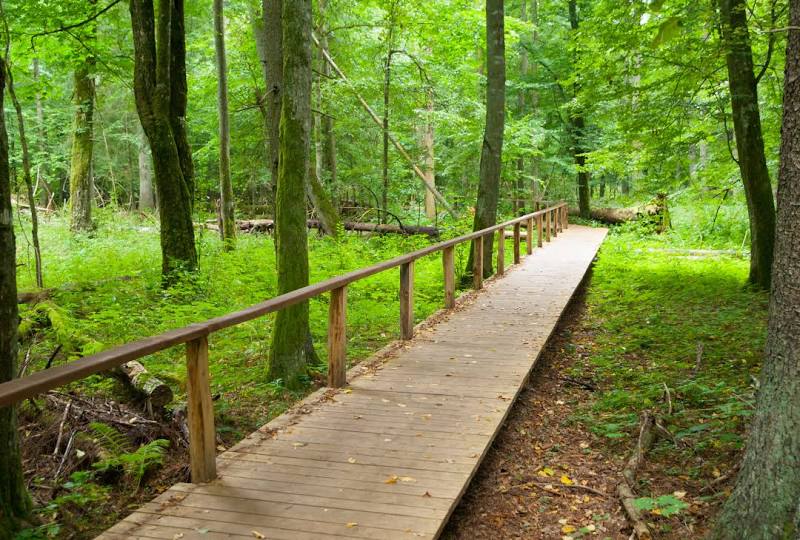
x=528 y=485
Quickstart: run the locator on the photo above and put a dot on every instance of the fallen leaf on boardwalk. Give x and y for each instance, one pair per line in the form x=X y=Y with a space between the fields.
x=351 y=460
x=392 y=479
x=504 y=398
x=299 y=444
x=177 y=536
x=352 y=524
x=202 y=531
x=566 y=480
x=258 y=535
x=407 y=479
x=426 y=494
x=401 y=404
x=547 y=471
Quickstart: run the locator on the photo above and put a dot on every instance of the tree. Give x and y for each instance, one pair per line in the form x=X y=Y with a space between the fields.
x=764 y=503
x=749 y=139
x=161 y=90
x=577 y=125
x=492 y=149
x=228 y=229
x=81 y=184
x=15 y=504
x=291 y=348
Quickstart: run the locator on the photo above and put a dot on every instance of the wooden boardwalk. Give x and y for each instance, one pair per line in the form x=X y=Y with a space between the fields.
x=389 y=456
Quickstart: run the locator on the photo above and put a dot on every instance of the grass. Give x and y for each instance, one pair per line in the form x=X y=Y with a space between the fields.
x=650 y=313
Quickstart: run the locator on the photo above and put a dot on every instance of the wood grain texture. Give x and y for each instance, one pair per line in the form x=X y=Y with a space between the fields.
x=501 y=252
x=202 y=437
x=337 y=338
x=517 y=241
x=407 y=300
x=390 y=457
x=449 y=268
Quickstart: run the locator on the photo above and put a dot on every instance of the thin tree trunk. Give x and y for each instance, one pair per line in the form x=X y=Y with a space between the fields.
x=15 y=505
x=328 y=163
x=387 y=80
x=291 y=350
x=428 y=150
x=26 y=172
x=81 y=182
x=519 y=181
x=46 y=197
x=749 y=139
x=272 y=60
x=764 y=503
x=492 y=150
x=225 y=187
x=578 y=133
x=147 y=199
x=160 y=90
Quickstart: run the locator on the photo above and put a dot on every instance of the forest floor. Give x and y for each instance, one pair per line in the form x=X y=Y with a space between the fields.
x=654 y=329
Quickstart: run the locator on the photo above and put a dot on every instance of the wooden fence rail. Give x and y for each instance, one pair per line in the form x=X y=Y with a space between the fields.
x=195 y=336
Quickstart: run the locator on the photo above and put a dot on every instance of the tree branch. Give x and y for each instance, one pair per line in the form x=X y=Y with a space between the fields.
x=74 y=25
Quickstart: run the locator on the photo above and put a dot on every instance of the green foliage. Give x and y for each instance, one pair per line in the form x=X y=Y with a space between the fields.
x=133 y=464
x=665 y=505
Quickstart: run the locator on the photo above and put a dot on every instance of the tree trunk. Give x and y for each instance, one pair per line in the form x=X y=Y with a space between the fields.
x=291 y=349
x=578 y=132
x=328 y=164
x=327 y=212
x=147 y=198
x=428 y=150
x=764 y=503
x=272 y=62
x=749 y=140
x=225 y=188
x=46 y=197
x=160 y=90
x=26 y=172
x=81 y=182
x=519 y=181
x=14 y=502
x=492 y=150
x=387 y=80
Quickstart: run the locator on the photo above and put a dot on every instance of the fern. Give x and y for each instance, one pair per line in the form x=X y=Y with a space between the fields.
x=110 y=440
x=134 y=464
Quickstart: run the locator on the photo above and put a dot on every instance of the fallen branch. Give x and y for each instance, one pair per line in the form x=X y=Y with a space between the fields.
x=157 y=392
x=626 y=487
x=268 y=225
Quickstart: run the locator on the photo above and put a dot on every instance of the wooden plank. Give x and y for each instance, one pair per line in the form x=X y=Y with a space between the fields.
x=337 y=338
x=517 y=243
x=202 y=437
x=449 y=267
x=428 y=415
x=407 y=301
x=529 y=237
x=539 y=231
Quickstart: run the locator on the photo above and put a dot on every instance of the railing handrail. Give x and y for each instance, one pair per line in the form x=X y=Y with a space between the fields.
x=17 y=390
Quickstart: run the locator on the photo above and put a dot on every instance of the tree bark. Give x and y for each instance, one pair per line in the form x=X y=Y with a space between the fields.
x=492 y=150
x=81 y=182
x=764 y=503
x=160 y=89
x=749 y=139
x=578 y=133
x=428 y=151
x=228 y=231
x=26 y=172
x=272 y=61
x=291 y=350
x=328 y=164
x=519 y=181
x=147 y=198
x=15 y=505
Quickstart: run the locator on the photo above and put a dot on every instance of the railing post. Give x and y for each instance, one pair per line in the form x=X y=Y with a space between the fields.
x=516 y=243
x=566 y=216
x=202 y=437
x=501 y=251
x=448 y=262
x=477 y=263
x=547 y=226
x=337 y=338
x=407 y=300
x=529 y=237
x=539 y=231
x=554 y=212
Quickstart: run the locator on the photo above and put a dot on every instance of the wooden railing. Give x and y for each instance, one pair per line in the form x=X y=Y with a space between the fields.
x=548 y=223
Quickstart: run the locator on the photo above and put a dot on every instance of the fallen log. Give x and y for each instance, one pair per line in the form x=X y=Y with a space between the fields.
x=625 y=489
x=617 y=216
x=267 y=226
x=157 y=392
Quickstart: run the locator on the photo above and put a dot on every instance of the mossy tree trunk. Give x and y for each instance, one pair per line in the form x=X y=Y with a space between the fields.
x=764 y=503
x=749 y=140
x=147 y=198
x=291 y=349
x=492 y=150
x=81 y=182
x=328 y=164
x=160 y=89
x=15 y=504
x=228 y=229
x=578 y=133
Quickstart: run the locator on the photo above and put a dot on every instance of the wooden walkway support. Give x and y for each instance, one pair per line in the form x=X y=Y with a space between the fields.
x=389 y=456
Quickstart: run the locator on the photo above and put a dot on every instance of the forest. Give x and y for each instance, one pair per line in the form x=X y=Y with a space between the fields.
x=205 y=172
